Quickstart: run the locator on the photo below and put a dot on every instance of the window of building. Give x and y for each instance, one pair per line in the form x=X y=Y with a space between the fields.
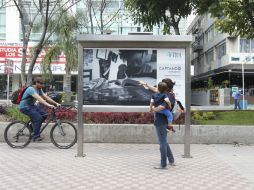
x=58 y=82
x=246 y=45
x=2 y=22
x=221 y=50
x=32 y=12
x=209 y=34
x=3 y=86
x=209 y=60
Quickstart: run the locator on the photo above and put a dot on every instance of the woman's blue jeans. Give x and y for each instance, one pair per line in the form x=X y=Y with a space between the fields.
x=236 y=101
x=164 y=147
x=37 y=115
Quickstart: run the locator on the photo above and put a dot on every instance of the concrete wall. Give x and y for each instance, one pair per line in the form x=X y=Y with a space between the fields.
x=116 y=133
x=200 y=98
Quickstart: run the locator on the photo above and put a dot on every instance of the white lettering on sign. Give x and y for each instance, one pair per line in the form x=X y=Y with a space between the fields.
x=7 y=50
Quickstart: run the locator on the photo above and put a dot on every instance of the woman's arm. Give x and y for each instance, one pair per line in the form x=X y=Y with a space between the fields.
x=148 y=86
x=158 y=109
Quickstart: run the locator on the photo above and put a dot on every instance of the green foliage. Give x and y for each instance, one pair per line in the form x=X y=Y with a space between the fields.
x=65 y=42
x=209 y=116
x=199 y=116
x=210 y=84
x=164 y=12
x=231 y=118
x=196 y=116
x=235 y=16
x=225 y=84
x=15 y=114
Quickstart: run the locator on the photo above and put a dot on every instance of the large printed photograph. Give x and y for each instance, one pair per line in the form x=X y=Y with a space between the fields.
x=111 y=76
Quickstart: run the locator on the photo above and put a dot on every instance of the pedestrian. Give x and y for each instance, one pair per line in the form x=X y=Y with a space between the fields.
x=236 y=99
x=161 y=123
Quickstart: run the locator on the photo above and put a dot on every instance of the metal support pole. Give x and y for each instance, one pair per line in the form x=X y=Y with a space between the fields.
x=243 y=83
x=187 y=131
x=8 y=87
x=229 y=78
x=80 y=103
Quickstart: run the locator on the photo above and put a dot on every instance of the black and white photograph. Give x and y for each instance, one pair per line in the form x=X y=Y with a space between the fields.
x=111 y=76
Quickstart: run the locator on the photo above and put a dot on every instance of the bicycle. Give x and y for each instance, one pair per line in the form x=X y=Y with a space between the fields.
x=63 y=134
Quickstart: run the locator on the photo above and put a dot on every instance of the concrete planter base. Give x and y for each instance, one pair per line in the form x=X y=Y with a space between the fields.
x=134 y=133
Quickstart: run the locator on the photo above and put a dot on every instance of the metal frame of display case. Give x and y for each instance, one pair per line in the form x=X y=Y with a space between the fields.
x=132 y=41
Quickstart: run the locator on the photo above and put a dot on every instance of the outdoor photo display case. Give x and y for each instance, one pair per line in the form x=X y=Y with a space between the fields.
x=111 y=66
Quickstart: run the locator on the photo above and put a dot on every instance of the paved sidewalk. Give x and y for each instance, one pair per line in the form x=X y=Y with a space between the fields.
x=125 y=166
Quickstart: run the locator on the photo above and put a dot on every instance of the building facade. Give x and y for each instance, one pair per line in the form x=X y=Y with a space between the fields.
x=220 y=57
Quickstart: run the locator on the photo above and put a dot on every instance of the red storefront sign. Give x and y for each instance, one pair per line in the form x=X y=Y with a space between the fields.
x=15 y=52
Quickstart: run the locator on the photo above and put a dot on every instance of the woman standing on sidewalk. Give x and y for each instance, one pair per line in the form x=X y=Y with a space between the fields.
x=160 y=122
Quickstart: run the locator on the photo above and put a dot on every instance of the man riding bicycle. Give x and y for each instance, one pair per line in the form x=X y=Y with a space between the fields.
x=36 y=112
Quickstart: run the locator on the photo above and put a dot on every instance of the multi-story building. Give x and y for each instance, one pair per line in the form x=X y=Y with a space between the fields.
x=220 y=56
x=11 y=43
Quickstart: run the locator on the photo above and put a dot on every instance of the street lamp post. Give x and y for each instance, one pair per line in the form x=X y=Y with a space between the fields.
x=229 y=72
x=247 y=58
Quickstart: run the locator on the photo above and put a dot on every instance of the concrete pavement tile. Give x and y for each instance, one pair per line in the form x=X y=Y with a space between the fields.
x=116 y=166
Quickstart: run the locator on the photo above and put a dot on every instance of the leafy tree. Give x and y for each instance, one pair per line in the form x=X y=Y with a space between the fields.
x=46 y=10
x=65 y=43
x=99 y=14
x=234 y=16
x=164 y=12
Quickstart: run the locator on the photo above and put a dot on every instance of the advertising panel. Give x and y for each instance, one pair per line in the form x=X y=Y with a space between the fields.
x=111 y=76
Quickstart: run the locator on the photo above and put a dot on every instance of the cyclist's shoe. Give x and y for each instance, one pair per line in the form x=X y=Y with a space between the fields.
x=38 y=139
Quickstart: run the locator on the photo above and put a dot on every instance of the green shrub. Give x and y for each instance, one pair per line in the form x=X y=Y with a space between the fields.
x=199 y=116
x=15 y=114
x=196 y=116
x=209 y=116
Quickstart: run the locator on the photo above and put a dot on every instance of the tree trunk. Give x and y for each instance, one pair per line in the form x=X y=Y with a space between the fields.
x=176 y=29
x=175 y=24
x=89 y=3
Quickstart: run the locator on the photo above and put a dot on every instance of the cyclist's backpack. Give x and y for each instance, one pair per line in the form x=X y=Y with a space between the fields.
x=17 y=95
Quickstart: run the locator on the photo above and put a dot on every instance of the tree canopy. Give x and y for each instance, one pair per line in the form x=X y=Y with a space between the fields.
x=164 y=12
x=235 y=17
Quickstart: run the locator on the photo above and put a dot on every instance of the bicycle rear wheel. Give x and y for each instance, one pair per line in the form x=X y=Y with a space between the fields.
x=18 y=134
x=63 y=135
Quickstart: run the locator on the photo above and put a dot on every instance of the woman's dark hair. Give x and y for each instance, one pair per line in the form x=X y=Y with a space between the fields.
x=169 y=82
x=162 y=87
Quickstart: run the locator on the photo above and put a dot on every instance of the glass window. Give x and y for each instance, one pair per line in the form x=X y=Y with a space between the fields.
x=58 y=82
x=221 y=51
x=3 y=86
x=32 y=12
x=209 y=59
x=252 y=46
x=2 y=22
x=244 y=45
x=210 y=34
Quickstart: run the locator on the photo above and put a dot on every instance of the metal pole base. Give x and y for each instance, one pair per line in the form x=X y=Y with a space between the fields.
x=187 y=156
x=80 y=156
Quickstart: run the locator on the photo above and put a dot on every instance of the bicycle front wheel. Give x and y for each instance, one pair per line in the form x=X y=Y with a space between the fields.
x=63 y=135
x=17 y=134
